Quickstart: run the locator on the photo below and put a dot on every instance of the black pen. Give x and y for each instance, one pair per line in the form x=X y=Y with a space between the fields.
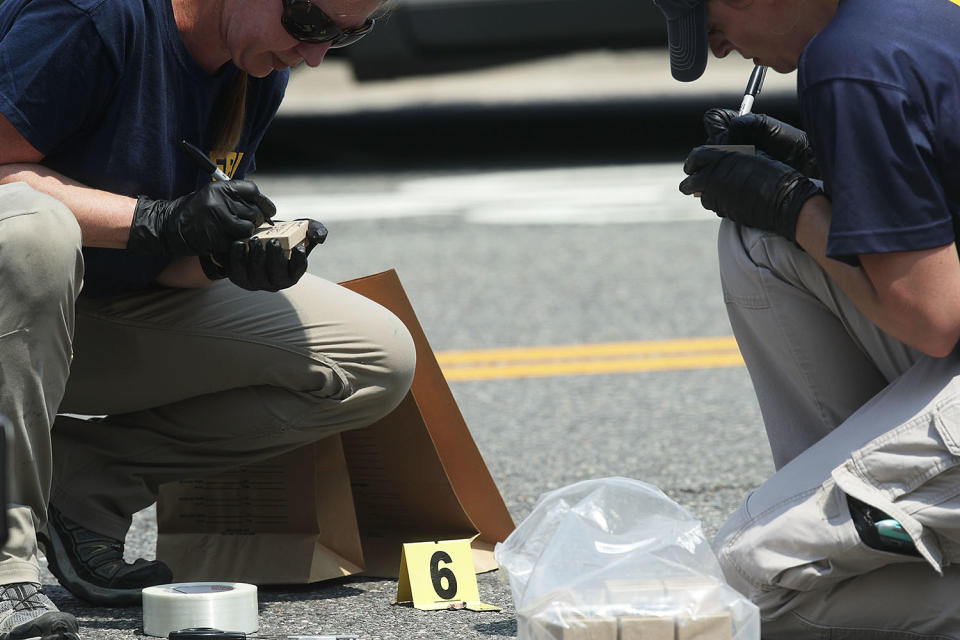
x=753 y=89
x=204 y=162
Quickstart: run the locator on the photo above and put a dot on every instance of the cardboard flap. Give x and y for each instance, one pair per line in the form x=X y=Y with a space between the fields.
x=460 y=457
x=400 y=490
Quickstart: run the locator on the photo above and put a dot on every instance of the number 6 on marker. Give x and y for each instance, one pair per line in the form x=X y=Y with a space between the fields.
x=438 y=574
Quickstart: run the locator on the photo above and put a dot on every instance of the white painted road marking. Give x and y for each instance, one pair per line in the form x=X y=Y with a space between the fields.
x=640 y=193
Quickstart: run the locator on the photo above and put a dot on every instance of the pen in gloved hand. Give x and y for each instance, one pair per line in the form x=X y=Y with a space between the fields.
x=204 y=162
x=754 y=84
x=753 y=89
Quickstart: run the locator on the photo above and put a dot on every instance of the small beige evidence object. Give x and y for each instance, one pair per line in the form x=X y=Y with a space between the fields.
x=691 y=608
x=646 y=628
x=290 y=234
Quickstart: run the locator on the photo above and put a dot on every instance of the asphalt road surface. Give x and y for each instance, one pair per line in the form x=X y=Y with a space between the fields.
x=552 y=258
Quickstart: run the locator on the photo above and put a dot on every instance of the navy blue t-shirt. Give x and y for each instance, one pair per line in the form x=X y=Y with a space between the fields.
x=106 y=89
x=880 y=94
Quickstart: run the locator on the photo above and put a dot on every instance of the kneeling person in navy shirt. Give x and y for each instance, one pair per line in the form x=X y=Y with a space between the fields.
x=200 y=351
x=840 y=271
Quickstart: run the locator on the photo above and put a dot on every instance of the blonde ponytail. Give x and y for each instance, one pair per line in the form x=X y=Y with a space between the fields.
x=230 y=115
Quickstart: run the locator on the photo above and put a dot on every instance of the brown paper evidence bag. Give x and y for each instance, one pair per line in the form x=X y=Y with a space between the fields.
x=346 y=504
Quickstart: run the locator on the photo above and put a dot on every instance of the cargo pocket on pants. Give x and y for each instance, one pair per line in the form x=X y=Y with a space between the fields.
x=913 y=474
x=800 y=545
x=809 y=540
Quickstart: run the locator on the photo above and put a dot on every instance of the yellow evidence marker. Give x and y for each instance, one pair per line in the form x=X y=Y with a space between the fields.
x=290 y=234
x=439 y=575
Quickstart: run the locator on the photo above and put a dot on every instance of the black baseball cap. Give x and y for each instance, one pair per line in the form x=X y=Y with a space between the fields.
x=687 y=35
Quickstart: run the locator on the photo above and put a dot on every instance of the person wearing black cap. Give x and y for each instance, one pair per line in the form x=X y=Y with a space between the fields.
x=840 y=272
x=686 y=27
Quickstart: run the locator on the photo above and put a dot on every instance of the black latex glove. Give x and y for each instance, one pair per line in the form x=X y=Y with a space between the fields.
x=775 y=138
x=256 y=266
x=754 y=190
x=206 y=221
x=316 y=234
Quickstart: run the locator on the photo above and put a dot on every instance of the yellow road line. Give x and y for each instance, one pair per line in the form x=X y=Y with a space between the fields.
x=590 y=359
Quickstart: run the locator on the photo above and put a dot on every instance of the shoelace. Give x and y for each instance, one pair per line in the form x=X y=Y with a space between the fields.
x=23 y=601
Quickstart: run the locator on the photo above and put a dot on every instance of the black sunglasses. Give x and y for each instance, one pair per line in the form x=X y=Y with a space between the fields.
x=307 y=23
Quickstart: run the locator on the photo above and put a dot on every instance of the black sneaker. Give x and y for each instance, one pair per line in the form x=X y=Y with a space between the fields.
x=25 y=612
x=91 y=565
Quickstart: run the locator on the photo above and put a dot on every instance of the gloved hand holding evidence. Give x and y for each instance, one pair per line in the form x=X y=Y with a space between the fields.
x=204 y=222
x=753 y=190
x=259 y=266
x=775 y=138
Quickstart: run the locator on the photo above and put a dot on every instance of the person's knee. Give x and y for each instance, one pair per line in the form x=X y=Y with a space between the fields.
x=395 y=370
x=730 y=554
x=369 y=380
x=749 y=258
x=359 y=364
x=40 y=245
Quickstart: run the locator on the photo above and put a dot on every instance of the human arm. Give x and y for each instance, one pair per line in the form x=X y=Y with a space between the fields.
x=205 y=221
x=914 y=296
x=890 y=204
x=104 y=218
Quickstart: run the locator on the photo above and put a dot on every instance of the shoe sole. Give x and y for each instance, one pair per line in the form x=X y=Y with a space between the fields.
x=76 y=585
x=55 y=625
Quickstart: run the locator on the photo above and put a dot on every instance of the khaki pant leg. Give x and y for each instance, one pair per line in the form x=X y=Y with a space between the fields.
x=199 y=381
x=897 y=602
x=792 y=546
x=41 y=271
x=848 y=411
x=813 y=358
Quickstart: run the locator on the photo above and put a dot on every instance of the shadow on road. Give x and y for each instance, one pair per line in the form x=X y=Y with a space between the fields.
x=536 y=134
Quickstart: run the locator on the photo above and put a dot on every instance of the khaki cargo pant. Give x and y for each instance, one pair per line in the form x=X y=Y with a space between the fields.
x=848 y=411
x=193 y=381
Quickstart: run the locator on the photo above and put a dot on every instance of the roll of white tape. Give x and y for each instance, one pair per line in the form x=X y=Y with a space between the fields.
x=228 y=606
